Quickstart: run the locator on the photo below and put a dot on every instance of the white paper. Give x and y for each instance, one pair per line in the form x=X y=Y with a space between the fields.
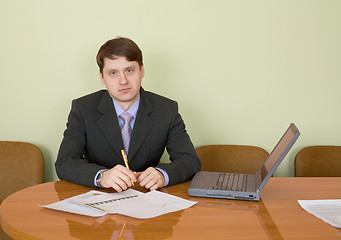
x=68 y=205
x=130 y=203
x=328 y=210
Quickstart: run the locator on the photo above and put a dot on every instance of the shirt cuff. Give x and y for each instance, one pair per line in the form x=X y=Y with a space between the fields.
x=95 y=182
x=165 y=175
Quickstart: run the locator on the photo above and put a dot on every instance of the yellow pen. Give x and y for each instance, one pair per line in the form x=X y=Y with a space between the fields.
x=126 y=162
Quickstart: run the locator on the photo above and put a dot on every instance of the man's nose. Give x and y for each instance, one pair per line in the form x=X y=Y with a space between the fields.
x=123 y=78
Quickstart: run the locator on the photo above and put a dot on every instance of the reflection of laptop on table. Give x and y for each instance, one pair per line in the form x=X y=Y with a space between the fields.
x=243 y=186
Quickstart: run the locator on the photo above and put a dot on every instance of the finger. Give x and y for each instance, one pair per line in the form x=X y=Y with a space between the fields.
x=130 y=174
x=145 y=174
x=143 y=179
x=155 y=180
x=155 y=186
x=152 y=184
x=115 y=182
x=125 y=174
x=116 y=187
x=151 y=180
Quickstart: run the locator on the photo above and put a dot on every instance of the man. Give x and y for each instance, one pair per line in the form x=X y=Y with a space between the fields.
x=125 y=116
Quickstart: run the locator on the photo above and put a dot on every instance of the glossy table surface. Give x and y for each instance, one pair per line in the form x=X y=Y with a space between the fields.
x=277 y=216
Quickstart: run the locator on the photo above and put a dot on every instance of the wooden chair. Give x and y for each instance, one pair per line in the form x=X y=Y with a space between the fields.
x=231 y=158
x=22 y=165
x=318 y=161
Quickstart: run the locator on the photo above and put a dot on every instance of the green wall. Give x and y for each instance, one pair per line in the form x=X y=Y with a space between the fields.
x=242 y=71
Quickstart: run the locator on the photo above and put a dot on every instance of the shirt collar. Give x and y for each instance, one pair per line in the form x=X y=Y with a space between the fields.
x=132 y=111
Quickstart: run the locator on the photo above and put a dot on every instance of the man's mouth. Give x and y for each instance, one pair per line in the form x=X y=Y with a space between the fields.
x=124 y=89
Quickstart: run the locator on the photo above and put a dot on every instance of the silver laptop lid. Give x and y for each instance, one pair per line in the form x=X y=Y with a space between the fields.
x=278 y=153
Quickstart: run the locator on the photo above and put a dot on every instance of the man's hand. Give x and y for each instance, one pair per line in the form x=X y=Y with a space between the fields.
x=151 y=179
x=118 y=178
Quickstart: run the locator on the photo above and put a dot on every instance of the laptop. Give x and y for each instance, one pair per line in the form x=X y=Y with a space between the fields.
x=243 y=186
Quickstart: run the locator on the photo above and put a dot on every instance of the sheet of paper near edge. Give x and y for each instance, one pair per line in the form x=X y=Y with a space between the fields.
x=130 y=203
x=328 y=210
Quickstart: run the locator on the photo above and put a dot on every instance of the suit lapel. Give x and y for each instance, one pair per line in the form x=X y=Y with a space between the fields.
x=108 y=123
x=142 y=126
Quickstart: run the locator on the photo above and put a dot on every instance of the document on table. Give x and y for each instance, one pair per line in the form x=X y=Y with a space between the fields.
x=130 y=203
x=327 y=210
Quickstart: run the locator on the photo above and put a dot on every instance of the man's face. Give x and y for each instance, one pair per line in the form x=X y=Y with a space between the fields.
x=123 y=80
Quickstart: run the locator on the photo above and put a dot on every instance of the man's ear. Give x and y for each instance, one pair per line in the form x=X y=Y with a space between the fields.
x=101 y=77
x=142 y=71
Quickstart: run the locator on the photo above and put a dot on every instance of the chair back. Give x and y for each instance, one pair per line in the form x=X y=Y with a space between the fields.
x=318 y=161
x=231 y=158
x=21 y=164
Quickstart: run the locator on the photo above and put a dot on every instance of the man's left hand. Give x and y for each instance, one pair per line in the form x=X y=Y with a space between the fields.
x=151 y=179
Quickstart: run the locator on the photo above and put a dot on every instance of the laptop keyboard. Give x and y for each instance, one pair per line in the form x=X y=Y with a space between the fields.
x=231 y=182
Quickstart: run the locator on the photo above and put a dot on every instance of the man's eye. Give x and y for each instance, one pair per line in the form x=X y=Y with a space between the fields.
x=113 y=73
x=129 y=70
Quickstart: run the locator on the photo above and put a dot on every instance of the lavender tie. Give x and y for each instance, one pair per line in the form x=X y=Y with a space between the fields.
x=126 y=130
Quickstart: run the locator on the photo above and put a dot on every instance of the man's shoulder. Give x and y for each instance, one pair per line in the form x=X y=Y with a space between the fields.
x=159 y=98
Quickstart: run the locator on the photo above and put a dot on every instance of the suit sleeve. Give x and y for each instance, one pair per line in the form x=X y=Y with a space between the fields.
x=184 y=160
x=71 y=163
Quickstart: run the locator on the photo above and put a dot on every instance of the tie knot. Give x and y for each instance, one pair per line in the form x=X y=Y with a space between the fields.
x=126 y=117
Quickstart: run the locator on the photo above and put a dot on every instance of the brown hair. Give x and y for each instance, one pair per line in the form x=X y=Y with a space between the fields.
x=119 y=47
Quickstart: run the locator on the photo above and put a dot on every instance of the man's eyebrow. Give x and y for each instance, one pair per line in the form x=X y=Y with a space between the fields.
x=131 y=66
x=115 y=69
x=111 y=70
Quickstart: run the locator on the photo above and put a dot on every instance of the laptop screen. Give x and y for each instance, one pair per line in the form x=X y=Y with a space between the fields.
x=278 y=153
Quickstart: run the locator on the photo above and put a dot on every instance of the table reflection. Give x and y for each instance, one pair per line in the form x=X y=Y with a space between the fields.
x=257 y=208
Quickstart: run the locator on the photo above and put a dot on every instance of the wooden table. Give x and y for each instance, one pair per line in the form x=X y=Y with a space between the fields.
x=277 y=216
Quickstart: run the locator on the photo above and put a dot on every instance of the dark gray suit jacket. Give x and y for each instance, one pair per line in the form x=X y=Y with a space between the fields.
x=92 y=140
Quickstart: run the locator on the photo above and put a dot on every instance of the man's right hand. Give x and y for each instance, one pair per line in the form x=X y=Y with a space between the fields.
x=118 y=178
